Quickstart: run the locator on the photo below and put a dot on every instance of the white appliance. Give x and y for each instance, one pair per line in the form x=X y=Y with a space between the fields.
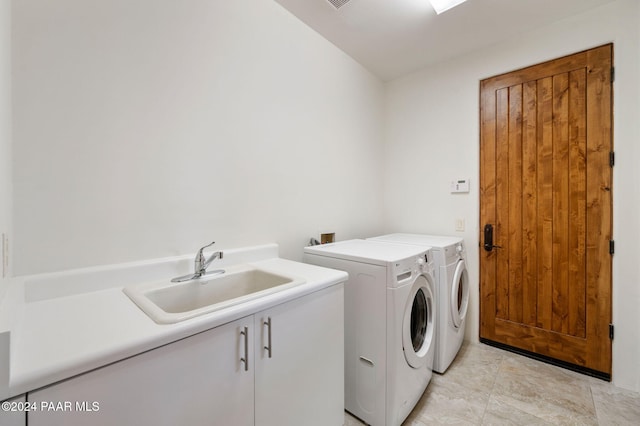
x=390 y=313
x=452 y=290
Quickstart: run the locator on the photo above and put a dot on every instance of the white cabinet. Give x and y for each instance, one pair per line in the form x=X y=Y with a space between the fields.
x=203 y=380
x=195 y=381
x=13 y=412
x=302 y=383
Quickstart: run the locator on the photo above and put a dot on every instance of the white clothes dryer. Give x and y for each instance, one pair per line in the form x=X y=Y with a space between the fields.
x=390 y=314
x=452 y=291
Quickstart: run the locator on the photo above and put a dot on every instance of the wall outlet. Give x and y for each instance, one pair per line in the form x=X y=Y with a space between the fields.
x=460 y=224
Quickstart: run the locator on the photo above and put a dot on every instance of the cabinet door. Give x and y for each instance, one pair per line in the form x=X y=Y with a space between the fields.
x=302 y=383
x=13 y=412
x=199 y=380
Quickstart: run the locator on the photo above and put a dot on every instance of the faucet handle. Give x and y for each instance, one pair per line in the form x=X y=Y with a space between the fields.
x=202 y=248
x=199 y=260
x=199 y=255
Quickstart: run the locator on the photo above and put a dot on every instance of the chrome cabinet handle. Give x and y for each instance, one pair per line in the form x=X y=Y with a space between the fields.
x=268 y=324
x=245 y=333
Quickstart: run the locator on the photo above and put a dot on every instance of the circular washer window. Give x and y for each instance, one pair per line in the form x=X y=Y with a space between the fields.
x=418 y=327
x=459 y=296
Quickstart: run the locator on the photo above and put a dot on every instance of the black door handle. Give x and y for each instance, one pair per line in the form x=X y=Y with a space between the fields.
x=488 y=238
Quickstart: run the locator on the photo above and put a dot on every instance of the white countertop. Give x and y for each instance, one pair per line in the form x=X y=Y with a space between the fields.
x=57 y=335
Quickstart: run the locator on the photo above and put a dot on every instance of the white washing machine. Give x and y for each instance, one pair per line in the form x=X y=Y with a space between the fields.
x=390 y=314
x=452 y=291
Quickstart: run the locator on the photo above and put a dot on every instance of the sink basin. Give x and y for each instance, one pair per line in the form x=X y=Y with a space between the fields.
x=166 y=302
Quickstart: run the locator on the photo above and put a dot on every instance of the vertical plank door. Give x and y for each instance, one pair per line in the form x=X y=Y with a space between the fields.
x=545 y=198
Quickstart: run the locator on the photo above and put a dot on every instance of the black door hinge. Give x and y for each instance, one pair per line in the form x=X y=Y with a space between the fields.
x=613 y=74
x=612 y=246
x=612 y=159
x=611 y=331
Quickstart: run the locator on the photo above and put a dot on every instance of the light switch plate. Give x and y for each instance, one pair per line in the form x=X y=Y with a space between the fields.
x=460 y=224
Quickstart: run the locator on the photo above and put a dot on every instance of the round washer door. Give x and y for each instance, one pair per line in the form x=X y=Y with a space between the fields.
x=459 y=296
x=418 y=323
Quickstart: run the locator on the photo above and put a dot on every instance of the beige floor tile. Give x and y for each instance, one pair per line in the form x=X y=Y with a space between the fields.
x=451 y=403
x=349 y=420
x=475 y=368
x=545 y=391
x=488 y=386
x=413 y=421
x=615 y=406
x=499 y=412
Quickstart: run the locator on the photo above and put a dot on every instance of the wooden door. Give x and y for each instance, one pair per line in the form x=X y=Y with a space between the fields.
x=545 y=189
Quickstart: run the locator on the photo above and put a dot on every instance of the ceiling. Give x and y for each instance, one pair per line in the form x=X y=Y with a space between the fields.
x=392 y=38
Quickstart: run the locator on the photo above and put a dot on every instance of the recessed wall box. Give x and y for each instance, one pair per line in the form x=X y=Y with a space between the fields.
x=327 y=238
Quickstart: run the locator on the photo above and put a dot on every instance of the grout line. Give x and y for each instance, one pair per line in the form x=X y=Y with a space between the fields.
x=493 y=385
x=593 y=401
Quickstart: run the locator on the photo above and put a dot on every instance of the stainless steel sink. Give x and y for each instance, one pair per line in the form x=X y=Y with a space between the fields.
x=166 y=302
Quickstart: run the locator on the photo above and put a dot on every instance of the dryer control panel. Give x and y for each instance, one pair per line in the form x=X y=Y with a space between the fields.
x=454 y=252
x=405 y=271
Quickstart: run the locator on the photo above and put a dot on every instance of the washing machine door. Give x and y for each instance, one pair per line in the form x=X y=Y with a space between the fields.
x=418 y=323
x=459 y=296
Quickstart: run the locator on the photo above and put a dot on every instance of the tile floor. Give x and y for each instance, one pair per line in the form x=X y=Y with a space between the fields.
x=489 y=386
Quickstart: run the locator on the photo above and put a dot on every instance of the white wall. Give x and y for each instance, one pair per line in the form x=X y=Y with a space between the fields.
x=5 y=131
x=432 y=137
x=147 y=128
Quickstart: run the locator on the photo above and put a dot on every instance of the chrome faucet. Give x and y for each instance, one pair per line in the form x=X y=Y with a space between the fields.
x=200 y=266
